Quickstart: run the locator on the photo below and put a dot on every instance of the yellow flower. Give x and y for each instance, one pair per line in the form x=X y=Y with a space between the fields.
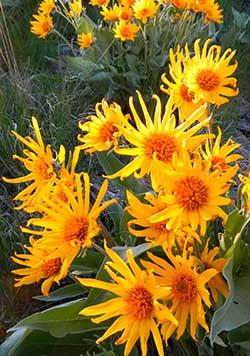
x=187 y=294
x=143 y=9
x=125 y=31
x=39 y=163
x=125 y=13
x=102 y=129
x=39 y=265
x=213 y=12
x=110 y=14
x=246 y=191
x=181 y=4
x=68 y=226
x=207 y=74
x=218 y=156
x=85 y=40
x=136 y=304
x=182 y=97
x=99 y=2
x=157 y=140
x=127 y=3
x=76 y=8
x=193 y=193
x=184 y=237
x=156 y=233
x=217 y=282
x=47 y=6
x=209 y=7
x=42 y=25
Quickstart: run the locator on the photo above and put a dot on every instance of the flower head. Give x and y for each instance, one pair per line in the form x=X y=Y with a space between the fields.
x=125 y=31
x=193 y=193
x=42 y=25
x=76 y=8
x=157 y=139
x=71 y=224
x=207 y=74
x=144 y=9
x=155 y=233
x=39 y=265
x=39 y=163
x=99 y=2
x=187 y=294
x=182 y=97
x=245 y=180
x=110 y=13
x=217 y=282
x=47 y=6
x=102 y=129
x=136 y=305
x=85 y=40
x=218 y=156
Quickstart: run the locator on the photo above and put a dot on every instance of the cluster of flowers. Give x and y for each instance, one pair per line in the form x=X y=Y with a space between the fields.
x=187 y=173
x=126 y=17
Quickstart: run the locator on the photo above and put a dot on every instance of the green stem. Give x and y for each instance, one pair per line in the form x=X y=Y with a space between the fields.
x=99 y=249
x=65 y=40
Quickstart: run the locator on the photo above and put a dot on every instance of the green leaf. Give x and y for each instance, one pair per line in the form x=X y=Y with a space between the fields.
x=89 y=262
x=11 y=344
x=69 y=291
x=111 y=164
x=39 y=343
x=85 y=25
x=233 y=229
x=236 y=310
x=60 y=320
x=82 y=66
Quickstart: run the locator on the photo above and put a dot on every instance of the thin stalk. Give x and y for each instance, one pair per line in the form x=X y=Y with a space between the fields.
x=65 y=40
x=99 y=249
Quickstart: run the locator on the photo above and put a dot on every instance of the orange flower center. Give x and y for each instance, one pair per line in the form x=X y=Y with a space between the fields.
x=42 y=169
x=51 y=267
x=184 y=288
x=106 y=132
x=77 y=229
x=46 y=26
x=145 y=12
x=207 y=80
x=125 y=32
x=140 y=303
x=163 y=145
x=219 y=162
x=191 y=193
x=185 y=94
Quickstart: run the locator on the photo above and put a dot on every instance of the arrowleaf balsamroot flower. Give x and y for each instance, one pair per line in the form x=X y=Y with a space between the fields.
x=136 y=305
x=42 y=25
x=144 y=9
x=218 y=156
x=85 y=40
x=193 y=193
x=187 y=293
x=125 y=31
x=69 y=225
x=39 y=265
x=157 y=139
x=47 y=6
x=207 y=73
x=102 y=129
x=217 y=282
x=155 y=233
x=39 y=163
x=182 y=97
